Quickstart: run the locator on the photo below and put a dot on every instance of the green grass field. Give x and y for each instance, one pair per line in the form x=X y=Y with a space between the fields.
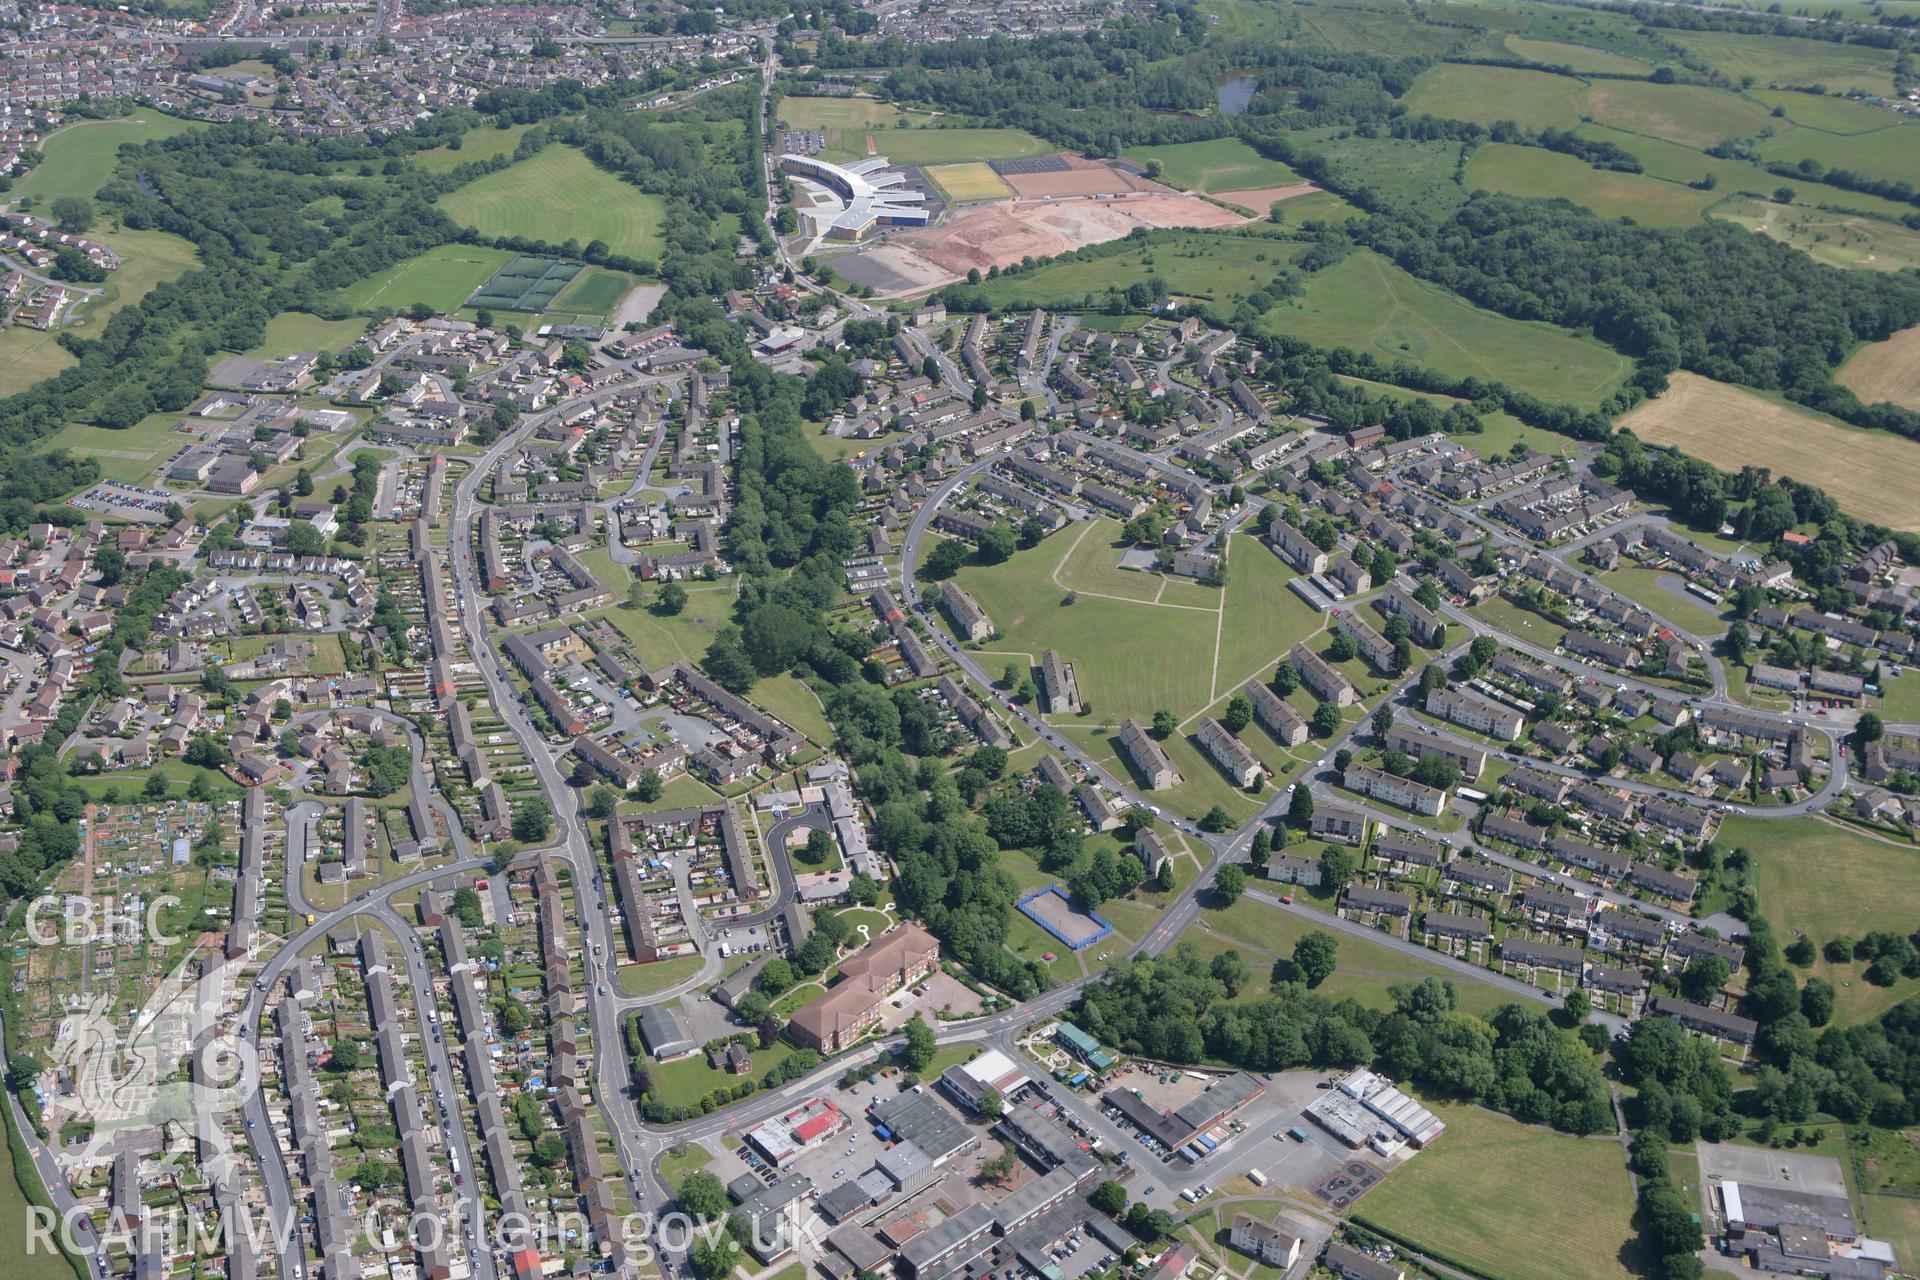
x=1120 y=647
x=1895 y=1219
x=936 y=145
x=443 y=278
x=972 y=180
x=837 y=113
x=1371 y=305
x=482 y=143
x=1512 y=1200
x=560 y=189
x=1264 y=618
x=1785 y=61
x=1688 y=114
x=1499 y=430
x=658 y=641
x=128 y=454
x=596 y=291
x=1828 y=880
x=1837 y=239
x=788 y=698
x=1892 y=153
x=81 y=156
x=1574 y=57
x=1828 y=114
x=645 y=979
x=1409 y=174
x=15 y=1199
x=1391 y=32
x=292 y=331
x=1533 y=171
x=1222 y=164
x=28 y=356
x=1686 y=612
x=1215 y=268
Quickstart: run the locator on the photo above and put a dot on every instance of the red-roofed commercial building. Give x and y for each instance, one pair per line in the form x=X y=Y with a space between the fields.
x=807 y=1125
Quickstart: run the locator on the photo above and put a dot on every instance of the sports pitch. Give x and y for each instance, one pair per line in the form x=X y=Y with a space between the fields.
x=971 y=181
x=525 y=283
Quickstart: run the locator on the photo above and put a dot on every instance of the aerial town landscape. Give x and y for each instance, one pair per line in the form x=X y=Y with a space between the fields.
x=606 y=664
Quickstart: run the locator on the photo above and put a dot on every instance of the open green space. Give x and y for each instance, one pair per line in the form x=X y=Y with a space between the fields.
x=560 y=190
x=147 y=258
x=937 y=144
x=20 y=1187
x=1892 y=154
x=79 y=157
x=1194 y=264
x=482 y=143
x=292 y=331
x=1827 y=880
x=128 y=453
x=788 y=698
x=684 y=1081
x=1499 y=430
x=683 y=1160
x=659 y=640
x=837 y=113
x=594 y=292
x=1366 y=971
x=1543 y=174
x=1220 y=164
x=1512 y=1200
x=1390 y=31
x=128 y=783
x=1371 y=305
x=1264 y=618
x=1785 y=61
x=1643 y=587
x=1837 y=238
x=442 y=278
x=28 y=356
x=1688 y=114
x=1895 y=1219
x=1829 y=114
x=646 y=979
x=1119 y=647
x=1574 y=57
x=1408 y=173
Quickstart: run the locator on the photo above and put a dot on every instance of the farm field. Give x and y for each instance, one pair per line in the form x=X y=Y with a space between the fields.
x=81 y=156
x=1676 y=163
x=1376 y=30
x=1510 y=1199
x=973 y=180
x=1686 y=114
x=932 y=145
x=1838 y=239
x=292 y=331
x=1533 y=171
x=1574 y=57
x=1887 y=370
x=1371 y=305
x=1829 y=114
x=1409 y=173
x=1892 y=153
x=443 y=278
x=1215 y=268
x=1871 y=474
x=483 y=143
x=1783 y=60
x=1223 y=164
x=1829 y=880
x=560 y=187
